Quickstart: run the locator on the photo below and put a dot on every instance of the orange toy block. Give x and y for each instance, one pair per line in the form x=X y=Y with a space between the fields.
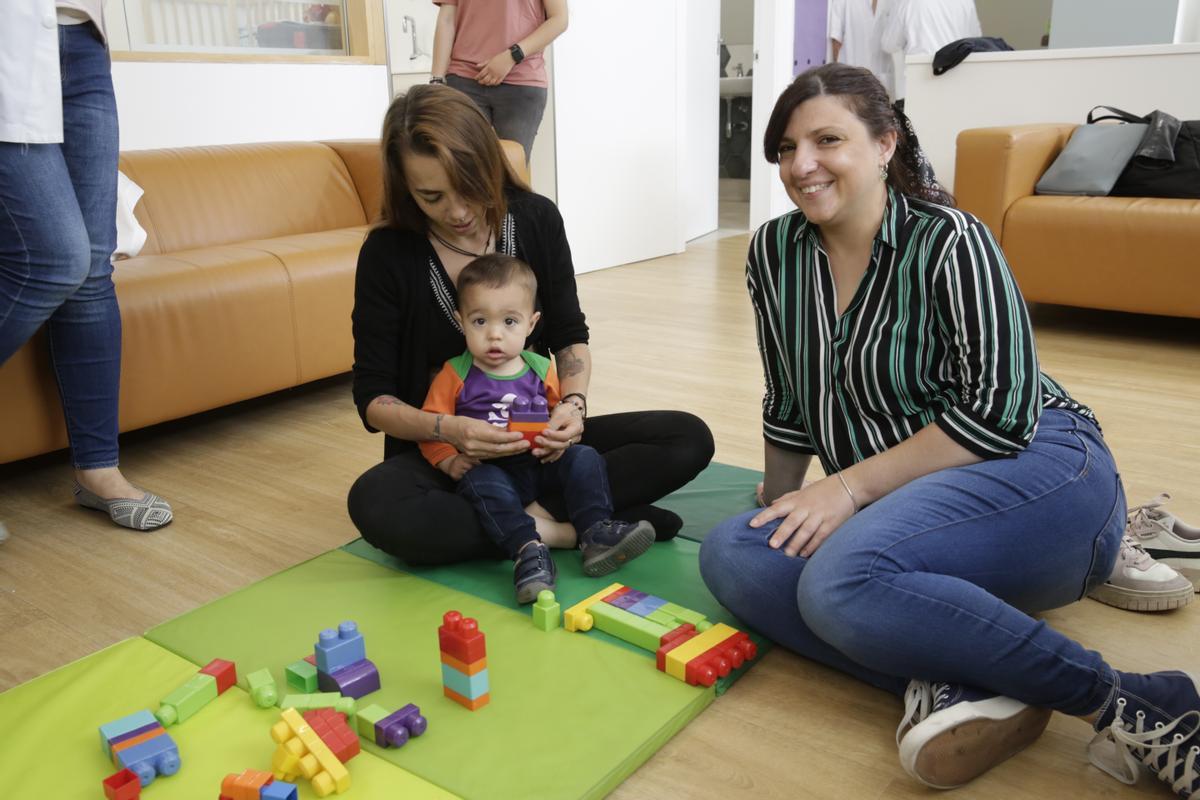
x=466 y=669
x=474 y=705
x=246 y=786
x=224 y=671
x=461 y=638
x=301 y=752
x=528 y=430
x=334 y=732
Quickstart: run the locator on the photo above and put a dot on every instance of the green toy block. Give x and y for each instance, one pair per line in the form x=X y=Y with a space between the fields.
x=307 y=702
x=663 y=618
x=684 y=615
x=631 y=628
x=367 y=718
x=263 y=688
x=301 y=676
x=547 y=614
x=197 y=692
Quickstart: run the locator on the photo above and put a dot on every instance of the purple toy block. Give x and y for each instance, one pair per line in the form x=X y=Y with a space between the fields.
x=629 y=599
x=356 y=680
x=394 y=729
x=647 y=606
x=135 y=732
x=524 y=410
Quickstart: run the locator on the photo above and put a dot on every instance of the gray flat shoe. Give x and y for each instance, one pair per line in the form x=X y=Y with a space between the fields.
x=140 y=515
x=3 y=533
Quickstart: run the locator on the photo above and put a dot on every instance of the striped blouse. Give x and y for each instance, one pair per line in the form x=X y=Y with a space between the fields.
x=937 y=331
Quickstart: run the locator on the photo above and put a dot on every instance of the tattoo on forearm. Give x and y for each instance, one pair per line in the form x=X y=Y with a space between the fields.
x=569 y=364
x=388 y=400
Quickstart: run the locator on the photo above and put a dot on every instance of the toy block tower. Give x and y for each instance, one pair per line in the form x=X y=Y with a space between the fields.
x=342 y=664
x=529 y=418
x=464 y=661
x=141 y=744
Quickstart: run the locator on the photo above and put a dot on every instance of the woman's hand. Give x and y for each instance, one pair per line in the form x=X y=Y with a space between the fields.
x=564 y=429
x=810 y=516
x=457 y=465
x=480 y=440
x=494 y=71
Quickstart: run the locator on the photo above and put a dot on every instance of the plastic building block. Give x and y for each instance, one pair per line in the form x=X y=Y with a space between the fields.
x=547 y=613
x=612 y=598
x=464 y=668
x=179 y=705
x=356 y=680
x=473 y=705
x=262 y=688
x=577 y=618
x=279 y=790
x=307 y=702
x=396 y=728
x=469 y=686
x=224 y=671
x=340 y=648
x=120 y=729
x=301 y=752
x=647 y=606
x=461 y=638
x=719 y=661
x=671 y=641
x=311 y=659
x=123 y=785
x=141 y=744
x=678 y=658
x=301 y=676
x=529 y=418
x=627 y=599
x=683 y=615
x=245 y=786
x=334 y=732
x=631 y=628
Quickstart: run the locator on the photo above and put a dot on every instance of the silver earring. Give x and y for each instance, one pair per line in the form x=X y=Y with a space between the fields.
x=883 y=172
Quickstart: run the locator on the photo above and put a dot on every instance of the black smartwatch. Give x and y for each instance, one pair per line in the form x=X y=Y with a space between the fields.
x=518 y=55
x=437 y=79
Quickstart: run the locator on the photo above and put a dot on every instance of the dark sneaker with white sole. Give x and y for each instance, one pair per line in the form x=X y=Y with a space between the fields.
x=533 y=572
x=951 y=734
x=610 y=543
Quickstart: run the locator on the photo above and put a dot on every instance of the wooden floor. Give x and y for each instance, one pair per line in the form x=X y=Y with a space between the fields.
x=261 y=486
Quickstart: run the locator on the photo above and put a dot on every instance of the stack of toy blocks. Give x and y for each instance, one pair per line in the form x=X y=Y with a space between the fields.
x=302 y=752
x=140 y=744
x=529 y=418
x=686 y=645
x=391 y=730
x=464 y=661
x=256 y=785
x=342 y=664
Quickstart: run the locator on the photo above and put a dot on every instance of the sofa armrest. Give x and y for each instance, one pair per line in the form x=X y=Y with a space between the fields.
x=994 y=167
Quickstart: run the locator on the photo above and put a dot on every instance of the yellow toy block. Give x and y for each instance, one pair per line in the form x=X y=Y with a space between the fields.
x=678 y=658
x=302 y=752
x=577 y=618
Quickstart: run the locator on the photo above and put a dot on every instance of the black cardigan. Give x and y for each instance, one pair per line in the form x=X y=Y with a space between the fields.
x=401 y=336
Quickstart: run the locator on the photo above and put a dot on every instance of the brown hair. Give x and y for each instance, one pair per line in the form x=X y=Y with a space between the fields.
x=864 y=95
x=435 y=120
x=496 y=270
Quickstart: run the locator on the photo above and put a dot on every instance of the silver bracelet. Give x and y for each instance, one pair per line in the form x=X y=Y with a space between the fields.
x=846 y=486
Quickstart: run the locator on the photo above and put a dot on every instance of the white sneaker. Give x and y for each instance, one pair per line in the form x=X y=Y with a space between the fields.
x=1139 y=583
x=1166 y=538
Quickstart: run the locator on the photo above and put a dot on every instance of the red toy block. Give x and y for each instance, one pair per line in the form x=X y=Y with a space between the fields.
x=311 y=658
x=615 y=595
x=670 y=641
x=461 y=638
x=331 y=726
x=719 y=661
x=123 y=785
x=224 y=671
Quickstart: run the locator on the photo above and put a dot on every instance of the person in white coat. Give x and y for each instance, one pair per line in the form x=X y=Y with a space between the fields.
x=926 y=26
x=58 y=195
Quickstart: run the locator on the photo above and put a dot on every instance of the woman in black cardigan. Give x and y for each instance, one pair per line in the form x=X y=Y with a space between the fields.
x=450 y=196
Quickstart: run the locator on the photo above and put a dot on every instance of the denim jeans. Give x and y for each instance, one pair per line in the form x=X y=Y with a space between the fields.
x=515 y=111
x=57 y=233
x=499 y=490
x=938 y=579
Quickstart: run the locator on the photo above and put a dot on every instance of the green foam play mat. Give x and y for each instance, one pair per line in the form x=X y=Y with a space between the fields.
x=570 y=716
x=717 y=493
x=55 y=752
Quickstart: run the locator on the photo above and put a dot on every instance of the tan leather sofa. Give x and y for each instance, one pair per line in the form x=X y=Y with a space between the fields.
x=1119 y=253
x=244 y=287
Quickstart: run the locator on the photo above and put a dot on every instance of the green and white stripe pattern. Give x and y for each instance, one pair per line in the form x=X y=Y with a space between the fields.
x=936 y=332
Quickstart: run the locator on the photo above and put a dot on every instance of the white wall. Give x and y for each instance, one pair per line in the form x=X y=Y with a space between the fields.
x=1045 y=86
x=737 y=21
x=1021 y=23
x=180 y=104
x=698 y=115
x=774 y=22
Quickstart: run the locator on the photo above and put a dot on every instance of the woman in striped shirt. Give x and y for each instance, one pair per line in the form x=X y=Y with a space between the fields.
x=965 y=488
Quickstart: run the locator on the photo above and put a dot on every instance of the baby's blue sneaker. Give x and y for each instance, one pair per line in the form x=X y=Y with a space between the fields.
x=610 y=543
x=533 y=572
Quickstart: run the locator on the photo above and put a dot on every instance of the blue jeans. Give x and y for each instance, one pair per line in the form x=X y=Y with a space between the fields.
x=937 y=580
x=499 y=490
x=57 y=233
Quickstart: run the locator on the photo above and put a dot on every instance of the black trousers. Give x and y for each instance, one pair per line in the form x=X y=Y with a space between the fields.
x=411 y=510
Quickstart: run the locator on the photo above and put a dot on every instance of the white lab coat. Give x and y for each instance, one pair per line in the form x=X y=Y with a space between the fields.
x=30 y=87
x=859 y=29
x=926 y=26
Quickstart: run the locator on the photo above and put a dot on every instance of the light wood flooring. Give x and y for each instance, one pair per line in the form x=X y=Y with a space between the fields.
x=261 y=486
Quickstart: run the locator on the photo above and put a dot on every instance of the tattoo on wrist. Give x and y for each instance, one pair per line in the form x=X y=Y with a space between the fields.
x=437 y=428
x=388 y=400
x=568 y=363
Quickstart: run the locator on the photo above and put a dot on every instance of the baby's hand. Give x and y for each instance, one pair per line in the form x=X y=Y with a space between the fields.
x=457 y=465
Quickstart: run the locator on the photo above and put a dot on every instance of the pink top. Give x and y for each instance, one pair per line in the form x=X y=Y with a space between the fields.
x=484 y=28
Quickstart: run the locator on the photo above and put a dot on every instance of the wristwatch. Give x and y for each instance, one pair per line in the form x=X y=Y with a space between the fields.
x=518 y=55
x=437 y=79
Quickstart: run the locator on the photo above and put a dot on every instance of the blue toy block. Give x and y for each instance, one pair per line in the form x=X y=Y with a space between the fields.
x=469 y=686
x=340 y=648
x=646 y=607
x=138 y=721
x=153 y=757
x=628 y=599
x=278 y=790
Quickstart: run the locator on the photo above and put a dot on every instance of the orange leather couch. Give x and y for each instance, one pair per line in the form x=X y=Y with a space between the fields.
x=1139 y=254
x=244 y=287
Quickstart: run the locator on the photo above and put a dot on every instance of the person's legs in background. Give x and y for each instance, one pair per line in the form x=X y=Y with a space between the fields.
x=517 y=113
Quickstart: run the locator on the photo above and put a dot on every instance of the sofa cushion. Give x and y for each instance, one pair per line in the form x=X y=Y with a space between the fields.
x=1121 y=253
x=205 y=196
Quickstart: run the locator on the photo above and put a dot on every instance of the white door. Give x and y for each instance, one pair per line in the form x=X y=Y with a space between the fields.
x=774 y=24
x=699 y=115
x=616 y=120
